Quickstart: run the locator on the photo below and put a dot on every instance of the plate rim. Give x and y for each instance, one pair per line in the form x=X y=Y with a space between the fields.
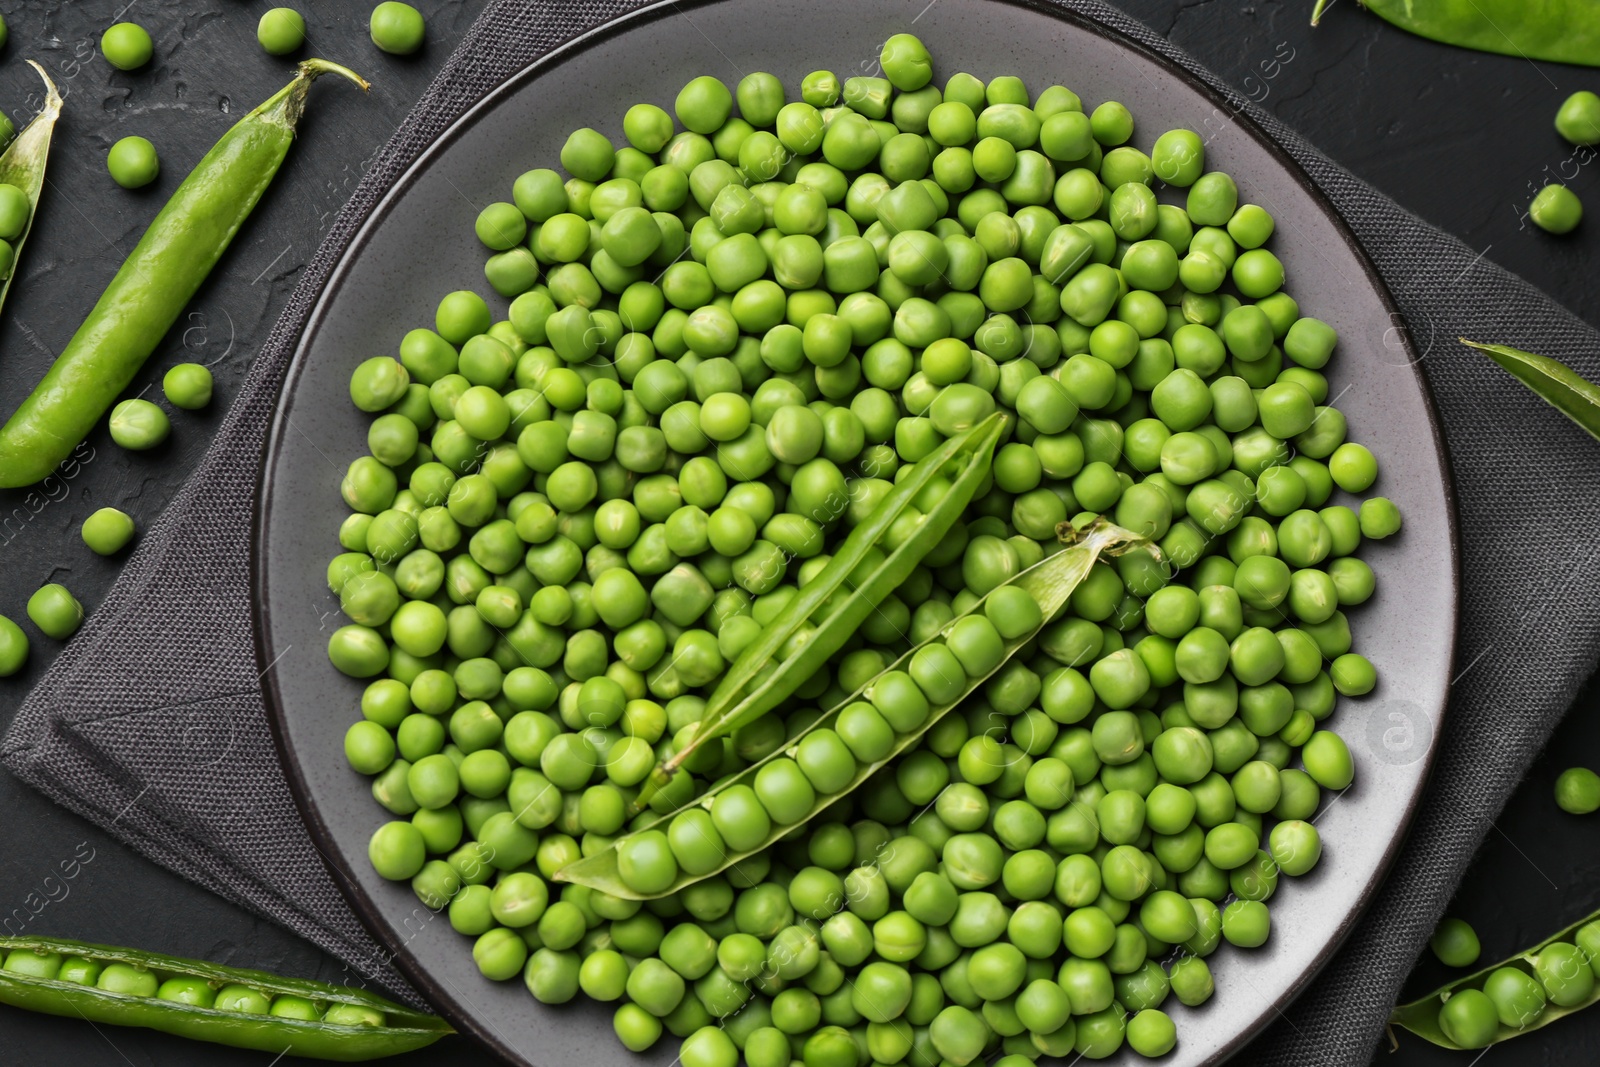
x=367 y=910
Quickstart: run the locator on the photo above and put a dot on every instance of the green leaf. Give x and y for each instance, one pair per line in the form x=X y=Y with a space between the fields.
x=1421 y=1016
x=1050 y=582
x=23 y=165
x=1555 y=382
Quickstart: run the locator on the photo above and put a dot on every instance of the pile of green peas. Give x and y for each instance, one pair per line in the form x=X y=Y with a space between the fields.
x=1517 y=995
x=724 y=341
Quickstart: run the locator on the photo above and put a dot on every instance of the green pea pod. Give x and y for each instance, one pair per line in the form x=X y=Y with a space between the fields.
x=1049 y=582
x=400 y=1030
x=762 y=677
x=1421 y=1016
x=1561 y=31
x=23 y=165
x=155 y=283
x=1555 y=382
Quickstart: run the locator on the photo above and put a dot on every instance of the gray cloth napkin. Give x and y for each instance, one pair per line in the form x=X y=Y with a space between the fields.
x=134 y=722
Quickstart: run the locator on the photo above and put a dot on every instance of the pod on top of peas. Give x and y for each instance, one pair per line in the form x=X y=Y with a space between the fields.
x=715 y=341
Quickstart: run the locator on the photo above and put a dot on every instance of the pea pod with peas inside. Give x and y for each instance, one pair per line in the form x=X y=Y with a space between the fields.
x=819 y=620
x=155 y=283
x=1532 y=989
x=843 y=748
x=208 y=1002
x=22 y=170
x=1562 y=31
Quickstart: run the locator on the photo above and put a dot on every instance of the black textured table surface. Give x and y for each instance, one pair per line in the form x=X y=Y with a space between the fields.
x=1463 y=139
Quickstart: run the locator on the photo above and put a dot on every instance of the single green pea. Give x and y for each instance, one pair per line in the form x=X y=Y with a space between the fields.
x=13 y=647
x=107 y=531
x=397 y=850
x=1519 y=999
x=1327 y=760
x=1379 y=517
x=129 y=979
x=282 y=30
x=397 y=28
x=1455 y=943
x=1151 y=1032
x=133 y=163
x=703 y=105
x=56 y=611
x=188 y=386
x=15 y=211
x=1556 y=209
x=1578 y=119
x=1469 y=1018
x=138 y=425
x=127 y=46
x=1577 y=791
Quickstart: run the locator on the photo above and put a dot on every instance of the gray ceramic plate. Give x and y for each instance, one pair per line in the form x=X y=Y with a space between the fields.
x=419 y=245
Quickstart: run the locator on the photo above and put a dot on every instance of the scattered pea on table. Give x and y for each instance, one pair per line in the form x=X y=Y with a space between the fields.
x=281 y=31
x=1455 y=943
x=56 y=611
x=107 y=531
x=1578 y=120
x=397 y=28
x=138 y=424
x=127 y=46
x=188 y=386
x=1556 y=209
x=1578 y=791
x=13 y=647
x=133 y=163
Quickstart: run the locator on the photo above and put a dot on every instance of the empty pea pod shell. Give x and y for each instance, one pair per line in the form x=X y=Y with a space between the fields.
x=1561 y=31
x=23 y=165
x=1049 y=582
x=753 y=685
x=1555 y=382
x=402 y=1029
x=1421 y=1016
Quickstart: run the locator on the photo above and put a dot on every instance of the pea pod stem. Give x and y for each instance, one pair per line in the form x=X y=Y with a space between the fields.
x=403 y=1029
x=1560 y=31
x=750 y=688
x=1421 y=1016
x=23 y=165
x=1555 y=383
x=155 y=283
x=1050 y=582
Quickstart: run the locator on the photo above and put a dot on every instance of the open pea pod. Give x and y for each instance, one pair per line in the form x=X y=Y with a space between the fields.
x=1421 y=1016
x=1556 y=383
x=1050 y=583
x=1560 y=31
x=22 y=164
x=769 y=670
x=401 y=1030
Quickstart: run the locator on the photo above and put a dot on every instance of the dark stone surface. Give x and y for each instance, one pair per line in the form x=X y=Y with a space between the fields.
x=1463 y=139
